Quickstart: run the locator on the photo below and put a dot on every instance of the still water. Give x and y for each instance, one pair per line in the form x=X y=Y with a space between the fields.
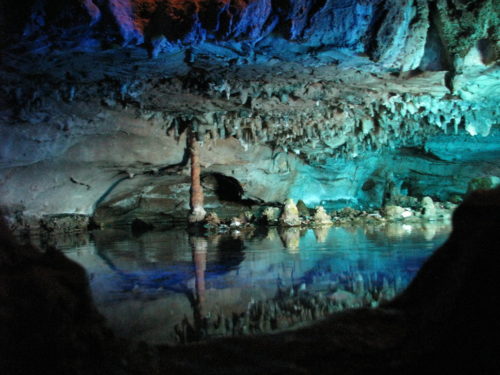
x=146 y=285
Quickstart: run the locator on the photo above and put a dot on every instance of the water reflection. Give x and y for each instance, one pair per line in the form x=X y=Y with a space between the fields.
x=199 y=248
x=321 y=233
x=290 y=238
x=172 y=286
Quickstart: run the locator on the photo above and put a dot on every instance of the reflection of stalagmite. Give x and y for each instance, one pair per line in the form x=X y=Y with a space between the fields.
x=359 y=285
x=199 y=248
x=429 y=231
x=272 y=234
x=321 y=233
x=395 y=230
x=291 y=239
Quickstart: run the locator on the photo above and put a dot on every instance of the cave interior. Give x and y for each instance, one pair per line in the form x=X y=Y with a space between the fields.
x=337 y=103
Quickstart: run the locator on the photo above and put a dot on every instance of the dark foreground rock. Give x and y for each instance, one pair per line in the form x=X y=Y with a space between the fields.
x=445 y=322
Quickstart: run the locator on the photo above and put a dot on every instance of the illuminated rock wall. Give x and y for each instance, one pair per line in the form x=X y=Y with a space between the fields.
x=316 y=100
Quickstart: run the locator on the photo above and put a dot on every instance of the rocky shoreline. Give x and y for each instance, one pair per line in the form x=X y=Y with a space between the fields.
x=290 y=214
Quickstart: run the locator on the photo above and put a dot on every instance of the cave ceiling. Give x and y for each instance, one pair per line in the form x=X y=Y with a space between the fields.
x=340 y=75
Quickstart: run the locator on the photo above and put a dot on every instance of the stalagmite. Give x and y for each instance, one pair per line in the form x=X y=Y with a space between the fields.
x=290 y=214
x=321 y=217
x=197 y=212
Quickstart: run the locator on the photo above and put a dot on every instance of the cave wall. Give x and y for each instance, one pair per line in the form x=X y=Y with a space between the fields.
x=316 y=100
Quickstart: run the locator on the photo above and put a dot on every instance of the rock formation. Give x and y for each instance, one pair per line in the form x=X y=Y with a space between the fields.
x=428 y=208
x=318 y=101
x=197 y=213
x=321 y=217
x=290 y=215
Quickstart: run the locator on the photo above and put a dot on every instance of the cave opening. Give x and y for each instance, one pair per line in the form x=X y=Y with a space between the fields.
x=228 y=189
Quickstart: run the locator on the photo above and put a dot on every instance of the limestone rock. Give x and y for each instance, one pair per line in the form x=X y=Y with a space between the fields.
x=64 y=223
x=428 y=209
x=303 y=209
x=345 y=298
x=347 y=213
x=270 y=215
x=483 y=183
x=406 y=201
x=321 y=217
x=290 y=215
x=103 y=121
x=247 y=216
x=396 y=212
x=212 y=219
x=236 y=222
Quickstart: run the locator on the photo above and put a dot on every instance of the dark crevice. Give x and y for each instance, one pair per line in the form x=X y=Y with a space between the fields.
x=448 y=80
x=435 y=56
x=316 y=7
x=228 y=188
x=487 y=49
x=107 y=193
x=420 y=152
x=378 y=20
x=445 y=59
